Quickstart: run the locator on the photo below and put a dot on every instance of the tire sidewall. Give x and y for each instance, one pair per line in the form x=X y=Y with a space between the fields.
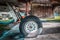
x=22 y=25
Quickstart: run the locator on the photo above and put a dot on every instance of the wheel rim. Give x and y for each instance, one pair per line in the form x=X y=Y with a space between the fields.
x=31 y=27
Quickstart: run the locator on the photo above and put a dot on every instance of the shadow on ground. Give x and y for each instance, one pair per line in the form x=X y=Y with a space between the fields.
x=51 y=30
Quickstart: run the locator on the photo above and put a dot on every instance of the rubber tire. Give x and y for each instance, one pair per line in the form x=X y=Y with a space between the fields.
x=29 y=18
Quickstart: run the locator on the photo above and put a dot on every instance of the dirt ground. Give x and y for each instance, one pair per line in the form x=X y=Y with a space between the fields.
x=46 y=37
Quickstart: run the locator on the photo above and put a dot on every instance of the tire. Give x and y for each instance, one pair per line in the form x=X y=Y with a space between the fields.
x=29 y=30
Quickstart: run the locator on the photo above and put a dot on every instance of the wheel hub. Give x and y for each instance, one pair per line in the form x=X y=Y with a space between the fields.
x=31 y=27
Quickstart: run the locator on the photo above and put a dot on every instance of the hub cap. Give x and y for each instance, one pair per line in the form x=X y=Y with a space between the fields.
x=31 y=27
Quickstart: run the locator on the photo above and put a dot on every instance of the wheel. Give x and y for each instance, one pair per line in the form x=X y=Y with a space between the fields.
x=29 y=26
